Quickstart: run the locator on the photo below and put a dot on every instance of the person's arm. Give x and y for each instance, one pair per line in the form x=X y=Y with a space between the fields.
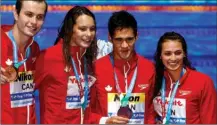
x=151 y=114
x=91 y=117
x=104 y=48
x=40 y=69
x=3 y=78
x=208 y=103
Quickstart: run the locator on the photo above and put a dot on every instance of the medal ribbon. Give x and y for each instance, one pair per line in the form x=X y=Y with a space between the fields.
x=124 y=100
x=86 y=88
x=166 y=116
x=17 y=64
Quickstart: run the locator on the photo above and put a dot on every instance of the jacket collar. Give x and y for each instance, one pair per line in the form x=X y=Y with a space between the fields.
x=76 y=52
x=181 y=80
x=7 y=28
x=126 y=66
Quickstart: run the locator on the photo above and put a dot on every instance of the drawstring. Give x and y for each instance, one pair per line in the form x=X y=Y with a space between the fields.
x=82 y=77
x=28 y=106
x=79 y=64
x=171 y=88
x=125 y=76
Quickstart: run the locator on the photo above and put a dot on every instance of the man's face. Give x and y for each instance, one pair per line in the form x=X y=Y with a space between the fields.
x=30 y=18
x=123 y=43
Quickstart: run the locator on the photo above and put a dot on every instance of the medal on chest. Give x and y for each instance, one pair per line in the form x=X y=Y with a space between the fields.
x=11 y=72
x=12 y=66
x=124 y=110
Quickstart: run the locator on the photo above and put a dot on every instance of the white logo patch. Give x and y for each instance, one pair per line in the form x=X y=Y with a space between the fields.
x=33 y=59
x=108 y=88
x=8 y=62
x=184 y=92
x=143 y=86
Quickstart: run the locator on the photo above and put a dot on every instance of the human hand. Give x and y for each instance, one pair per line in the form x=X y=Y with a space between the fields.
x=3 y=78
x=159 y=122
x=8 y=74
x=117 y=120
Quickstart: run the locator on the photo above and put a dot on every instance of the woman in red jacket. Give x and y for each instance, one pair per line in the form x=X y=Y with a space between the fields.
x=182 y=94
x=64 y=71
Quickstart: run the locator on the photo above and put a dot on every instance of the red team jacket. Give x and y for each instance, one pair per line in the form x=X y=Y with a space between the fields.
x=17 y=101
x=195 y=100
x=56 y=86
x=104 y=96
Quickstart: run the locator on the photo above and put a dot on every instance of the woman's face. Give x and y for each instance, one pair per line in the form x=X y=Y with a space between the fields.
x=84 y=31
x=172 y=54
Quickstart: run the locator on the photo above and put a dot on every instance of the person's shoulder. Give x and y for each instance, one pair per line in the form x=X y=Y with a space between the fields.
x=200 y=75
x=145 y=61
x=202 y=81
x=35 y=45
x=55 y=49
x=6 y=28
x=103 y=64
x=52 y=52
x=102 y=60
x=200 y=78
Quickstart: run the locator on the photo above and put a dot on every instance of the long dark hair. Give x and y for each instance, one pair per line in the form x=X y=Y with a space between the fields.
x=159 y=66
x=65 y=32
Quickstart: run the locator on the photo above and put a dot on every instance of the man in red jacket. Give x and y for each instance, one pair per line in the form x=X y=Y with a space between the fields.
x=122 y=92
x=18 y=53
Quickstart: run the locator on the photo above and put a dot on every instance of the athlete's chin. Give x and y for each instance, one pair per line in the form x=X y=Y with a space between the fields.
x=173 y=68
x=31 y=33
x=125 y=56
x=85 y=45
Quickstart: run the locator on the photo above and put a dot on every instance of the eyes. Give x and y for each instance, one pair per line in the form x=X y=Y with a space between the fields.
x=84 y=28
x=39 y=17
x=120 y=40
x=169 y=53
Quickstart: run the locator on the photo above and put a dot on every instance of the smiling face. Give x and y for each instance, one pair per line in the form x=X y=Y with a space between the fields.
x=123 y=43
x=172 y=55
x=84 y=31
x=31 y=17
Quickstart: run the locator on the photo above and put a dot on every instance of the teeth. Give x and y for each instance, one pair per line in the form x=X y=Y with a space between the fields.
x=172 y=63
x=32 y=28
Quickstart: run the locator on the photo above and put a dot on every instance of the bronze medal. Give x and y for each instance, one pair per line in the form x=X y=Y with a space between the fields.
x=11 y=73
x=125 y=111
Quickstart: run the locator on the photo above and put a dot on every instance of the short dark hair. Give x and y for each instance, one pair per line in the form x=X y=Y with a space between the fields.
x=122 y=19
x=19 y=4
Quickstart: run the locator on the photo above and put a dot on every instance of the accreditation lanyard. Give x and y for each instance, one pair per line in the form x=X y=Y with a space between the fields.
x=166 y=116
x=124 y=100
x=17 y=64
x=86 y=88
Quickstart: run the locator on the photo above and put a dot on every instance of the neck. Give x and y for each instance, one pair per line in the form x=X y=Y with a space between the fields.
x=73 y=44
x=175 y=75
x=20 y=38
x=79 y=49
